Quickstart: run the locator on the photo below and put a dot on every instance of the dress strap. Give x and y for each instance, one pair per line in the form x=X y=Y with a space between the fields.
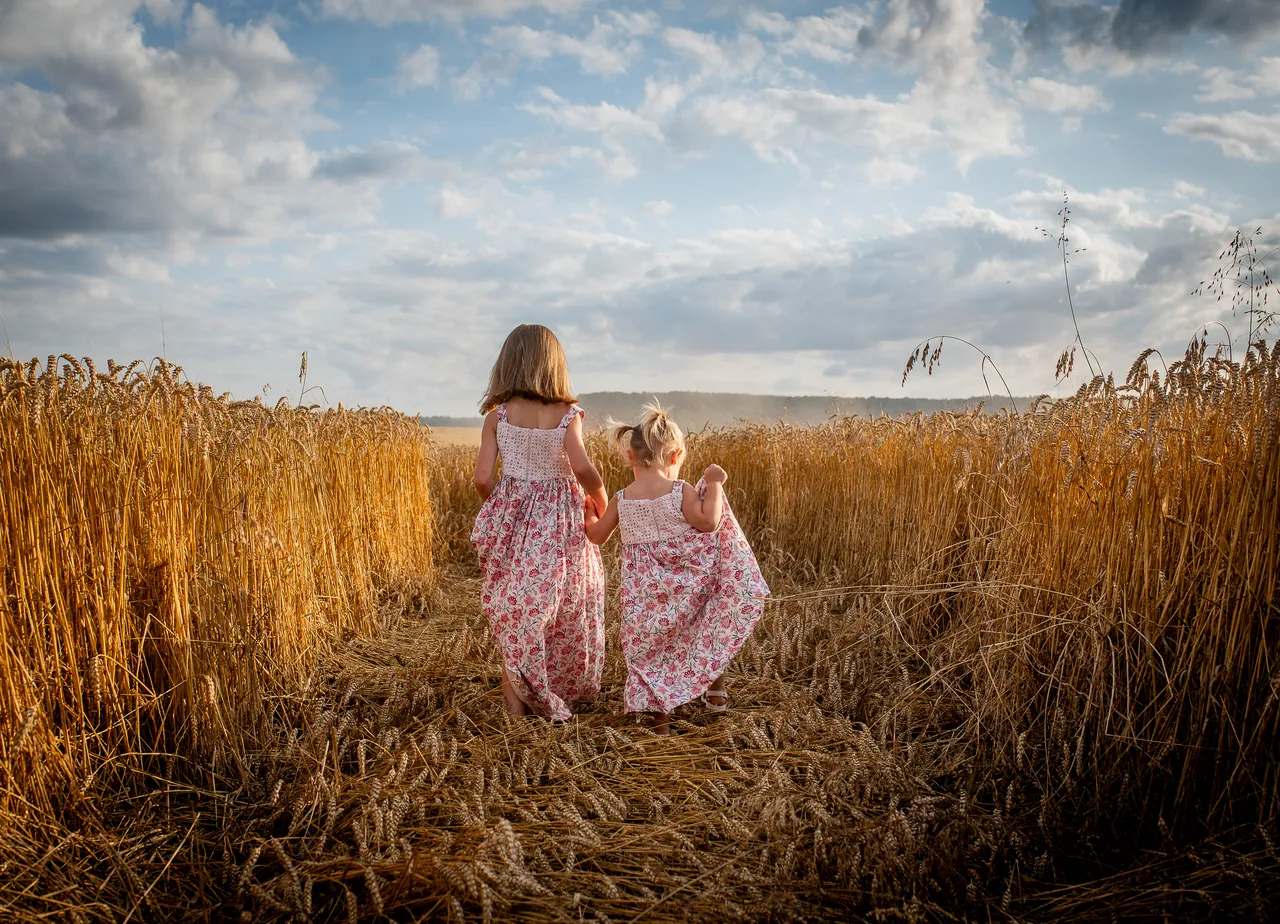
x=677 y=486
x=502 y=413
x=568 y=418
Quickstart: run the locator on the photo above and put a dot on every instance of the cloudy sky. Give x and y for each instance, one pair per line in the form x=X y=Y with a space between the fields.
x=766 y=197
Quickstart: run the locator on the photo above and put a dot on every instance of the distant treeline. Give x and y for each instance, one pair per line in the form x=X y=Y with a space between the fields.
x=695 y=410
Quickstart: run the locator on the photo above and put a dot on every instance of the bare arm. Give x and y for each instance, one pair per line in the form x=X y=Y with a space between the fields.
x=487 y=459
x=585 y=472
x=599 y=528
x=703 y=513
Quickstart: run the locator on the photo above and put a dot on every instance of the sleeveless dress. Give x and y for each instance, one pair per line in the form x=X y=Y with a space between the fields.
x=689 y=600
x=543 y=583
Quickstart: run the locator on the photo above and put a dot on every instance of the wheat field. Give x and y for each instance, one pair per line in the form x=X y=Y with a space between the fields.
x=1017 y=667
x=456 y=436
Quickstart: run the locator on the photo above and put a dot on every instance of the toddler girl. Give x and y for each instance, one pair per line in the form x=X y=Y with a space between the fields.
x=691 y=589
x=543 y=588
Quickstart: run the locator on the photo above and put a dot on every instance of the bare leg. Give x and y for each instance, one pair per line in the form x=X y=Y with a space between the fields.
x=717 y=695
x=662 y=723
x=515 y=705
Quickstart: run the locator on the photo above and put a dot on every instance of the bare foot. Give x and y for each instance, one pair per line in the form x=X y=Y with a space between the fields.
x=717 y=697
x=515 y=705
x=517 y=708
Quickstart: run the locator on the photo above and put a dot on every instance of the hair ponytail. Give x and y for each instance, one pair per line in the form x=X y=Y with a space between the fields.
x=652 y=439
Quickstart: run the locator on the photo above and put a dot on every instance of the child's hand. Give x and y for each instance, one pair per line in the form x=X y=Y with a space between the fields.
x=715 y=473
x=590 y=514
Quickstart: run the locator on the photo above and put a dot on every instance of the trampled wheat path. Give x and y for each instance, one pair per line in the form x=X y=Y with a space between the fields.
x=407 y=787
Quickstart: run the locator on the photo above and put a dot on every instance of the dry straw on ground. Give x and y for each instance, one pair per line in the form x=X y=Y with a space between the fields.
x=1015 y=666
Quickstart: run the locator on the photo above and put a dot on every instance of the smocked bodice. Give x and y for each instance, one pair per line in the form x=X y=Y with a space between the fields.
x=531 y=454
x=653 y=520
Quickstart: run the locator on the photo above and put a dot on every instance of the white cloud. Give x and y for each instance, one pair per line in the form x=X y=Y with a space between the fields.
x=618 y=167
x=613 y=122
x=1053 y=96
x=606 y=50
x=1222 y=84
x=831 y=37
x=952 y=102
x=1184 y=190
x=766 y=121
x=658 y=207
x=661 y=99
x=1219 y=86
x=389 y=12
x=454 y=203
x=717 y=58
x=206 y=138
x=137 y=266
x=1266 y=79
x=1123 y=208
x=771 y=22
x=884 y=172
x=420 y=68
x=962 y=211
x=164 y=11
x=1241 y=134
x=1199 y=219
x=528 y=163
x=1115 y=63
x=777 y=123
x=940 y=38
x=636 y=23
x=1072 y=124
x=380 y=160
x=482 y=77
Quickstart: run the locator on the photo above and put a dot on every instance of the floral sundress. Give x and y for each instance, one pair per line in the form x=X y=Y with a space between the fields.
x=689 y=600
x=543 y=582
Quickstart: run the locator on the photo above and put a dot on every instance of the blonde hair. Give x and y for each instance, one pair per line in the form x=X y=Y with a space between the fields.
x=653 y=438
x=531 y=364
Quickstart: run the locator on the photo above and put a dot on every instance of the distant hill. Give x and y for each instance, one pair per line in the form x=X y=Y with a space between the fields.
x=697 y=409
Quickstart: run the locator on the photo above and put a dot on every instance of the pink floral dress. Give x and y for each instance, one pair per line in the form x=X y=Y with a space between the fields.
x=543 y=587
x=689 y=600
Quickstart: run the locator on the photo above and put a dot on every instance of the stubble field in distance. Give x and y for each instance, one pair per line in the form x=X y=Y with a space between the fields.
x=456 y=436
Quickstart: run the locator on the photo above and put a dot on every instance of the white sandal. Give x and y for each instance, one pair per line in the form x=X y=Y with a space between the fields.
x=718 y=694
